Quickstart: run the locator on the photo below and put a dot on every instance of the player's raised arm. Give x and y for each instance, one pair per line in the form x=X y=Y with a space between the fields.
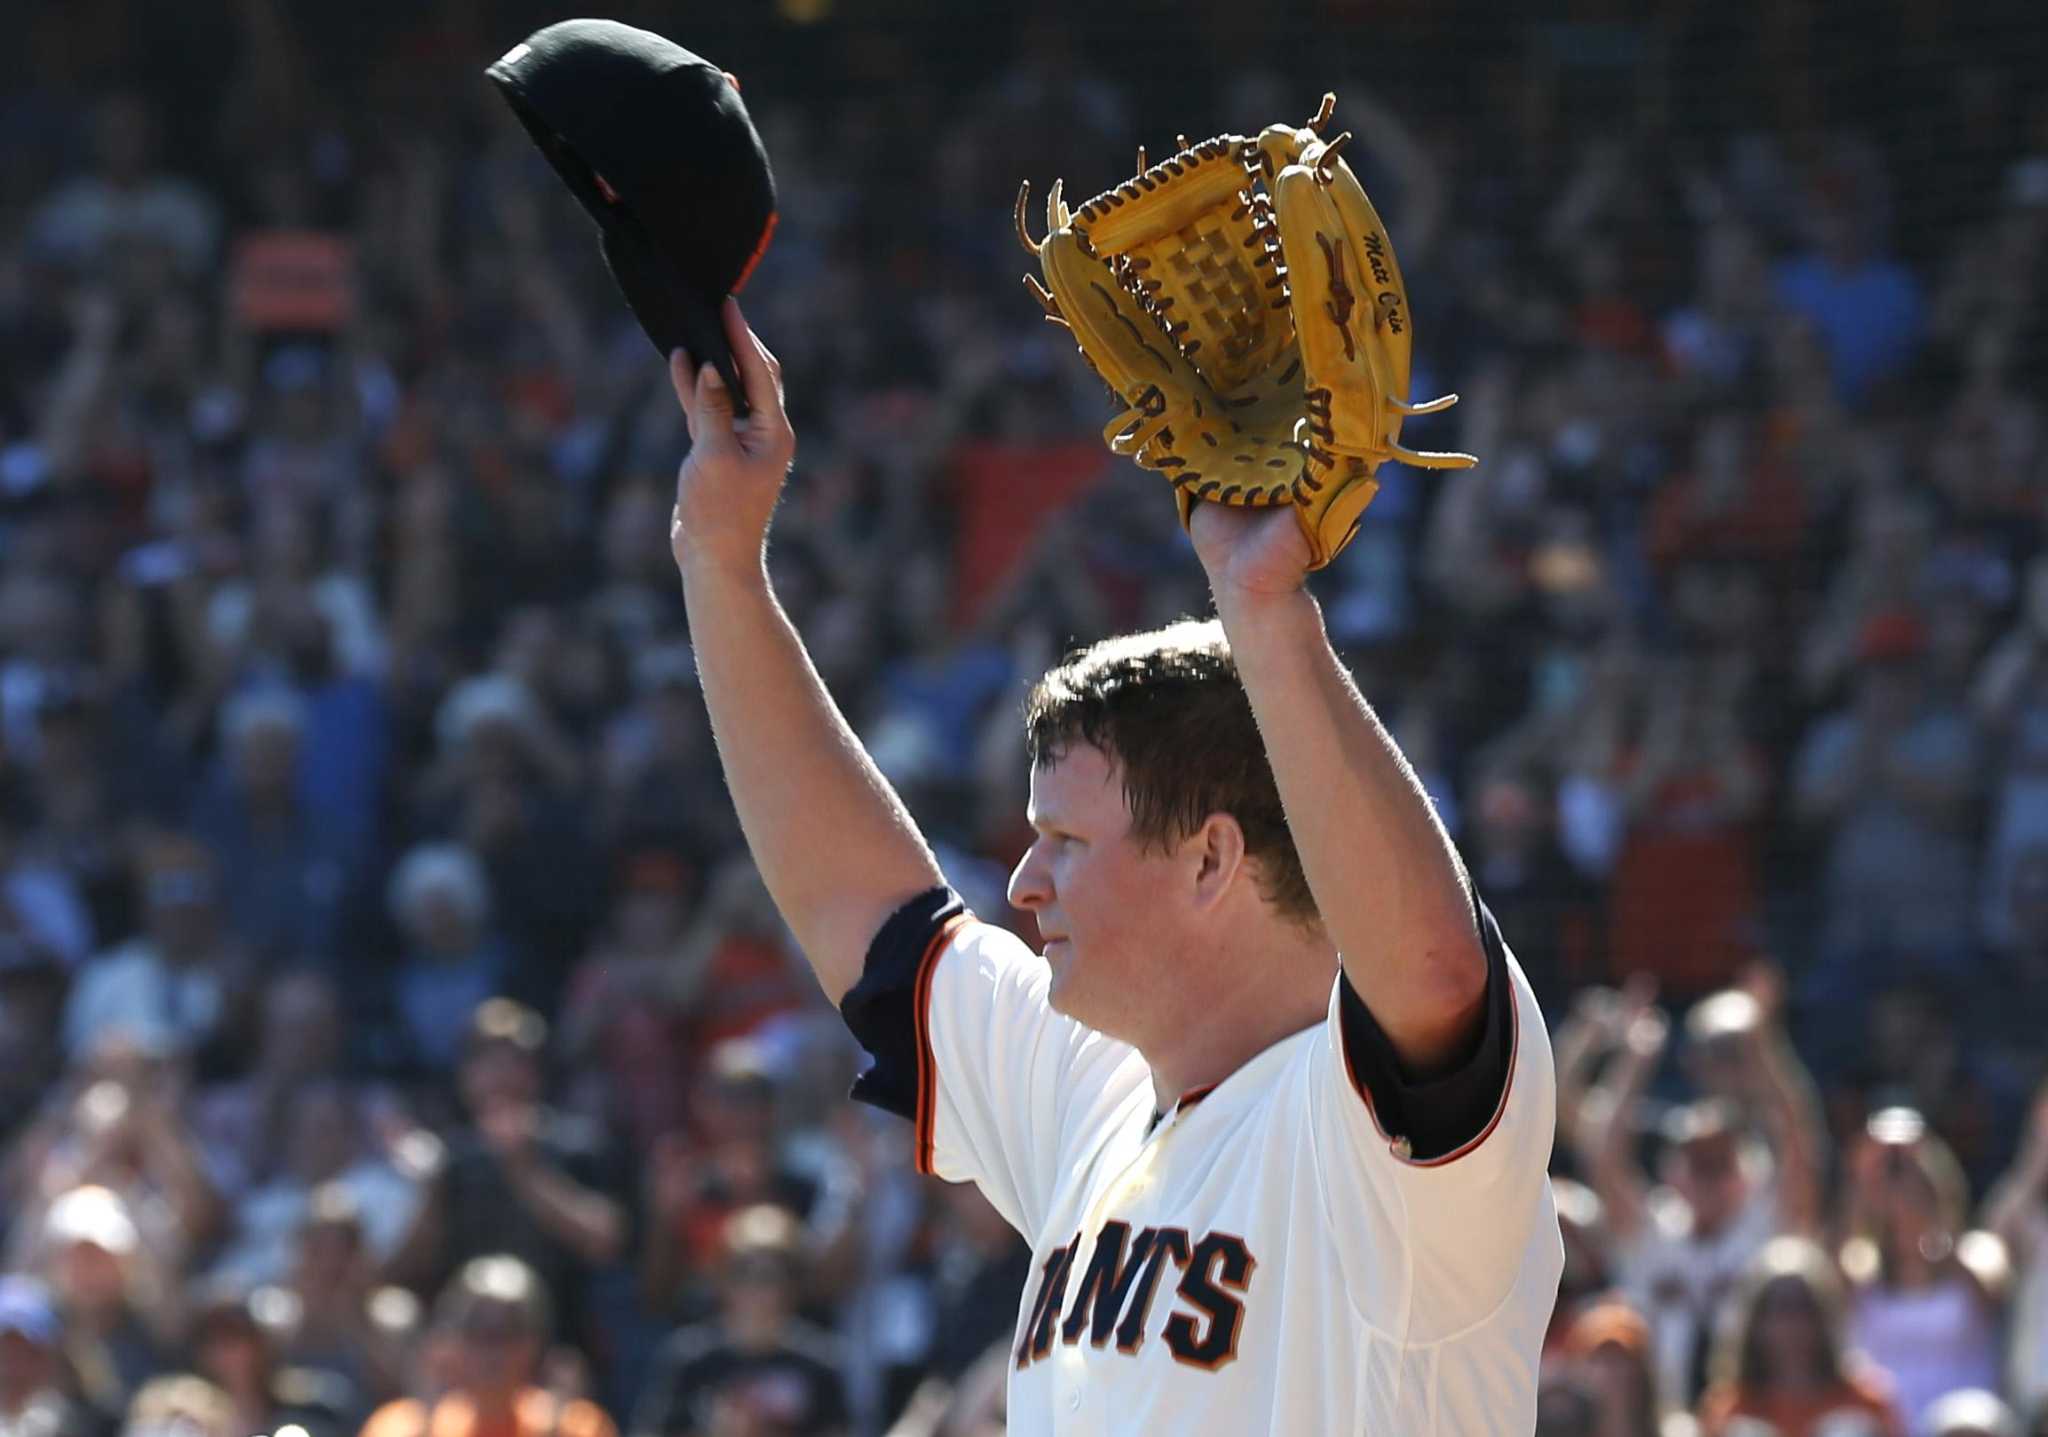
x=1391 y=890
x=835 y=845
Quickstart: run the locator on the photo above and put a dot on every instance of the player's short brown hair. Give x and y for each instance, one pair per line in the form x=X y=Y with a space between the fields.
x=1170 y=713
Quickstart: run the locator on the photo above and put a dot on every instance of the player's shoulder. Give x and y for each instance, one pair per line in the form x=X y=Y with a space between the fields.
x=970 y=934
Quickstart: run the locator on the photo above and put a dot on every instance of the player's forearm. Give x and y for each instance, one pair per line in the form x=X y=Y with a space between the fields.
x=835 y=845
x=1390 y=887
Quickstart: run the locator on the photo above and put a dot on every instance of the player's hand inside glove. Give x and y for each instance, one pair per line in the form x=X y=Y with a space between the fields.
x=1249 y=553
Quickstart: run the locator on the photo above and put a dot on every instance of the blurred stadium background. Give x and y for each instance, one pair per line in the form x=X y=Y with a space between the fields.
x=393 y=1034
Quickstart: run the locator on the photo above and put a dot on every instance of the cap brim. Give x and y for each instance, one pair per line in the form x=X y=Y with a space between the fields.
x=671 y=312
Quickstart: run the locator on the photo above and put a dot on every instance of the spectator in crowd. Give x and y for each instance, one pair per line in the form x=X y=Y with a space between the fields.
x=107 y=773
x=175 y=982
x=625 y=1024
x=119 y=1128
x=1889 y=784
x=1739 y=1166
x=115 y=1299
x=1685 y=890
x=497 y=1313
x=1928 y=1295
x=975 y=1406
x=1609 y=1344
x=1918 y=1042
x=337 y=1320
x=46 y=913
x=454 y=959
x=656 y=789
x=520 y=1179
x=739 y=964
x=33 y=1402
x=1782 y=1358
x=728 y=1161
x=755 y=1354
x=1582 y=1224
x=292 y=872
x=126 y=201
x=1529 y=885
x=504 y=787
x=232 y=1349
x=980 y=1261
x=2016 y=1211
x=1566 y=1406
x=32 y=987
x=2010 y=1010
x=2011 y=704
x=301 y=1034
x=181 y=1403
x=327 y=1144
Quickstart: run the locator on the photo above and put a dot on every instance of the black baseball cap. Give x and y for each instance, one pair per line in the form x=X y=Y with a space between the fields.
x=656 y=144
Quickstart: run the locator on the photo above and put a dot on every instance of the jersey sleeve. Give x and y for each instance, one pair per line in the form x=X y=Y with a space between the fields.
x=1004 y=1092
x=1439 y=1188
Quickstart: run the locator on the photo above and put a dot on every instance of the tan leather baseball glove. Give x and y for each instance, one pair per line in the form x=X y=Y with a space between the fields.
x=1242 y=298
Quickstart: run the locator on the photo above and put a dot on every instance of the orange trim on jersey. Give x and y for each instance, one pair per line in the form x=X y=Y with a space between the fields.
x=1499 y=1109
x=1193 y=1096
x=760 y=248
x=927 y=1066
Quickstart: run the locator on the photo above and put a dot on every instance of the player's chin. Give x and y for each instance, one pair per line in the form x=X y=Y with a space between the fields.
x=1075 y=992
x=1059 y=996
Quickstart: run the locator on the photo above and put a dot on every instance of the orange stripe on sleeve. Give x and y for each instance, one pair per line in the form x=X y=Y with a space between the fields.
x=1506 y=1088
x=927 y=1067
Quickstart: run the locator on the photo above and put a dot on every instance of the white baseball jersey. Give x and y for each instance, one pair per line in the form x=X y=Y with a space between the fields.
x=1312 y=1245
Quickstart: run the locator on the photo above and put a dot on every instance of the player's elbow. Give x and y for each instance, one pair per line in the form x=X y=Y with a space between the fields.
x=1444 y=1002
x=1447 y=979
x=1459 y=982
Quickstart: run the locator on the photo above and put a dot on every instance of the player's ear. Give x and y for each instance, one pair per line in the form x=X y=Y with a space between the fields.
x=1217 y=848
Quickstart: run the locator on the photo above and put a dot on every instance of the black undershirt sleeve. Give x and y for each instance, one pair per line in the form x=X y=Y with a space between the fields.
x=881 y=1009
x=1440 y=1112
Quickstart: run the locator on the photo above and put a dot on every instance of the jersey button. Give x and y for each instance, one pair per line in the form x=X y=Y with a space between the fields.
x=1402 y=1149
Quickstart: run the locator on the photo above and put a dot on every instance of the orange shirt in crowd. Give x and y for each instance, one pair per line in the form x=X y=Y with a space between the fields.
x=1798 y=1416
x=536 y=1413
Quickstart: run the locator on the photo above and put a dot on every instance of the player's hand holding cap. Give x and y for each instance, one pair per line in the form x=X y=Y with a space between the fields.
x=658 y=146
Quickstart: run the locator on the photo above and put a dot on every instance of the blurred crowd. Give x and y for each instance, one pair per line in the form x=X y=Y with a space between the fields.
x=394 y=1037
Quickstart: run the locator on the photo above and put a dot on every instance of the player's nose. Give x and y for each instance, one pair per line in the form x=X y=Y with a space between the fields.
x=1029 y=888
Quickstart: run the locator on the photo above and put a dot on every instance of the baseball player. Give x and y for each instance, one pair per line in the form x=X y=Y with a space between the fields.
x=1274 y=1106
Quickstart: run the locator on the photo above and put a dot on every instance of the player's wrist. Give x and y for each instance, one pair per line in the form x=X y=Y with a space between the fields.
x=723 y=560
x=1248 y=613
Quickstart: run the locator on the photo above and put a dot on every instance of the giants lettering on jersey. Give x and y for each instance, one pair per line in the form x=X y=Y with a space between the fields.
x=1113 y=1296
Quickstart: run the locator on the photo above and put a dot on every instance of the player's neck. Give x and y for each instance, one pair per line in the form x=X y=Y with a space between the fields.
x=1244 y=999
